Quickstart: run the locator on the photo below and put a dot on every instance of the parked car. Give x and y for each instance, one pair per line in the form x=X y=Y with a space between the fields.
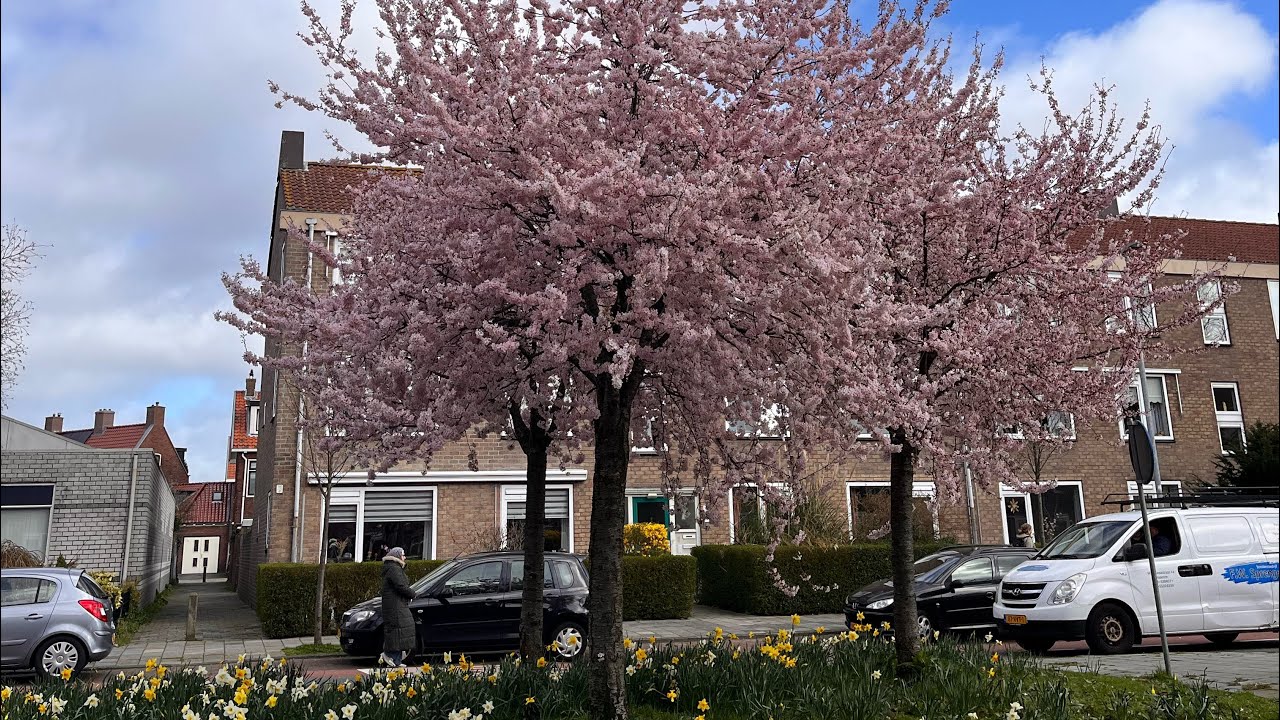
x=1217 y=568
x=53 y=619
x=955 y=589
x=472 y=604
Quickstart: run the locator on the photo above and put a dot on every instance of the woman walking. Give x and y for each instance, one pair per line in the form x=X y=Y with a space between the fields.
x=397 y=627
x=1026 y=538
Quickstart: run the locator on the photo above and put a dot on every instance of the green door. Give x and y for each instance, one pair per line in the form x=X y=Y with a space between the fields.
x=650 y=510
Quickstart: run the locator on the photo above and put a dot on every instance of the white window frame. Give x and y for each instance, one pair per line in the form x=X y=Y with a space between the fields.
x=919 y=489
x=48 y=530
x=355 y=496
x=1227 y=418
x=251 y=420
x=761 y=505
x=1007 y=492
x=1219 y=314
x=518 y=493
x=651 y=448
x=334 y=244
x=1147 y=489
x=766 y=428
x=1071 y=424
x=1273 y=294
x=1143 y=405
x=1149 y=310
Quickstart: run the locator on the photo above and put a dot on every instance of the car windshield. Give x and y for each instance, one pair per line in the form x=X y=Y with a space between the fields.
x=1085 y=540
x=434 y=575
x=931 y=568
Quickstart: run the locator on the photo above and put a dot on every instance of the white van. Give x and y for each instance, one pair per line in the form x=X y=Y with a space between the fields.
x=1218 y=578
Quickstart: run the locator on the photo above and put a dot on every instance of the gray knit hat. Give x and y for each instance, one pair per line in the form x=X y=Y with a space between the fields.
x=396 y=553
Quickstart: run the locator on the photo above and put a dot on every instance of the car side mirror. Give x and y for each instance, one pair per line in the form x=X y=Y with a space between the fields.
x=1136 y=551
x=952 y=584
x=444 y=593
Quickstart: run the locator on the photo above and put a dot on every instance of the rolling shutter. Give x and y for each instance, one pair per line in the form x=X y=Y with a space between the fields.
x=397 y=504
x=342 y=513
x=557 y=504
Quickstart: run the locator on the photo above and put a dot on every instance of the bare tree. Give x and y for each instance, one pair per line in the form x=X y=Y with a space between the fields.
x=17 y=258
x=328 y=455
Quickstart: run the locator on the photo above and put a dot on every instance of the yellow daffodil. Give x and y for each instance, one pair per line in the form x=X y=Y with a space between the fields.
x=342 y=687
x=626 y=643
x=995 y=657
x=66 y=674
x=493 y=679
x=641 y=654
x=530 y=700
x=151 y=664
x=795 y=620
x=6 y=692
x=861 y=617
x=410 y=692
x=271 y=701
x=149 y=694
x=703 y=705
x=542 y=662
x=991 y=672
x=672 y=695
x=719 y=633
x=42 y=708
x=819 y=630
x=119 y=693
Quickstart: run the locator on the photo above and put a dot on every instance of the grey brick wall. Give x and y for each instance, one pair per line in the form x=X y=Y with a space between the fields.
x=91 y=509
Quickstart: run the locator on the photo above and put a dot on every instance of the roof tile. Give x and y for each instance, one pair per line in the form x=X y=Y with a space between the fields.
x=201 y=509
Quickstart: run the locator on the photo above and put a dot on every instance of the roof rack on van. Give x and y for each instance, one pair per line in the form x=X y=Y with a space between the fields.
x=1205 y=497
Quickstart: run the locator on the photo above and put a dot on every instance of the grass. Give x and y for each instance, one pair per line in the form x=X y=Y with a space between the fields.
x=134 y=621
x=313 y=649
x=1098 y=695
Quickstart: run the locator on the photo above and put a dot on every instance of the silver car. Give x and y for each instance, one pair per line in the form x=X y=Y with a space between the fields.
x=53 y=619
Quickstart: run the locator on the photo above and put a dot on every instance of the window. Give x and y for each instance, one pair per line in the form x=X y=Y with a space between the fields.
x=335 y=247
x=251 y=478
x=1226 y=410
x=1156 y=417
x=750 y=516
x=645 y=444
x=1061 y=424
x=973 y=572
x=1006 y=563
x=768 y=426
x=251 y=426
x=479 y=579
x=558 y=533
x=565 y=577
x=1144 y=317
x=217 y=496
x=1213 y=326
x=1167 y=487
x=1050 y=513
x=517 y=576
x=686 y=512
x=1220 y=534
x=26 y=591
x=868 y=504
x=1273 y=294
x=340 y=538
x=399 y=517
x=24 y=521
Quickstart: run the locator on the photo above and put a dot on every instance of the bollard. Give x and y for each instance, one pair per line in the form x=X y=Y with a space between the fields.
x=192 y=604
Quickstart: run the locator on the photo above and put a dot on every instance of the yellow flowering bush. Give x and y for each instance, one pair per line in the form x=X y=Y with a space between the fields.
x=646 y=539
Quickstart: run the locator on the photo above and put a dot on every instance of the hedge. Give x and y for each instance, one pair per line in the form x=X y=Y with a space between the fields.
x=735 y=577
x=658 y=587
x=654 y=588
x=287 y=592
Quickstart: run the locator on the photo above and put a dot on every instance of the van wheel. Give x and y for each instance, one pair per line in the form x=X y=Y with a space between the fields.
x=1037 y=646
x=1222 y=639
x=1109 y=630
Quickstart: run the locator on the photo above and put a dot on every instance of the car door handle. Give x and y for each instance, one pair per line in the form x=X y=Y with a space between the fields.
x=492 y=602
x=35 y=616
x=1194 y=570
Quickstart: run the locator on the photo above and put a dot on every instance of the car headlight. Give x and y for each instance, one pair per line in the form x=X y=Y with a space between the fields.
x=357 y=617
x=880 y=604
x=1067 y=590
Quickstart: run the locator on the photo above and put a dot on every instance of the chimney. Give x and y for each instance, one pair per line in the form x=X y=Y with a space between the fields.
x=102 y=420
x=250 y=385
x=155 y=415
x=53 y=423
x=291 y=150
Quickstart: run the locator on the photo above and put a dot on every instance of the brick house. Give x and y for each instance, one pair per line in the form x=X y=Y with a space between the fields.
x=450 y=509
x=150 y=435
x=109 y=509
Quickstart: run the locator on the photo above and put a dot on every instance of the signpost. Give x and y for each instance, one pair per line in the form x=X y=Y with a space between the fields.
x=1142 y=455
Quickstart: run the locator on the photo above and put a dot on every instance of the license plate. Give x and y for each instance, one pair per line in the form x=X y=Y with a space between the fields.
x=1015 y=619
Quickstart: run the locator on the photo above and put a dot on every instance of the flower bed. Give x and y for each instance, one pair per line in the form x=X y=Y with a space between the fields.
x=784 y=676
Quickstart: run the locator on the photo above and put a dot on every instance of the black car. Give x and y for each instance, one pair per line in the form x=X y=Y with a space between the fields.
x=955 y=589
x=472 y=604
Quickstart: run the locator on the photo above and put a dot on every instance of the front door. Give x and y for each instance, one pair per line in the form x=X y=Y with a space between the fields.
x=25 y=606
x=649 y=510
x=467 y=612
x=199 y=552
x=685 y=533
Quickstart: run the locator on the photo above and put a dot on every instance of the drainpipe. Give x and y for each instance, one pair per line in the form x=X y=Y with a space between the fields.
x=973 y=510
x=128 y=528
x=295 y=524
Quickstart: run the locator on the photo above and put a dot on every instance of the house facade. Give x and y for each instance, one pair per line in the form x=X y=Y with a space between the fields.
x=109 y=509
x=453 y=507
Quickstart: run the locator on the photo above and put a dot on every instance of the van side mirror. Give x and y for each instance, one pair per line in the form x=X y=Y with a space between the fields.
x=1136 y=551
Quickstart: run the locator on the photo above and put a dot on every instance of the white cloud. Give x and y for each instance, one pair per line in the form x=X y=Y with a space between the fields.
x=1192 y=59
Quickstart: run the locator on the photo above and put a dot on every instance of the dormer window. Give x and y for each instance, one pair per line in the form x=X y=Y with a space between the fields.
x=252 y=428
x=217 y=496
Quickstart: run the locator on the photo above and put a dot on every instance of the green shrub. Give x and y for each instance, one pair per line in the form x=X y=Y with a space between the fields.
x=658 y=587
x=735 y=577
x=287 y=592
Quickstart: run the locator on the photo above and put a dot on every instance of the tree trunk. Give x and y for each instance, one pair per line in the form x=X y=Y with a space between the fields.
x=606 y=681
x=318 y=635
x=902 y=470
x=535 y=511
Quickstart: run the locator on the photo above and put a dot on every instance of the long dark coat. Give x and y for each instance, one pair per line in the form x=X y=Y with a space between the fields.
x=397 y=622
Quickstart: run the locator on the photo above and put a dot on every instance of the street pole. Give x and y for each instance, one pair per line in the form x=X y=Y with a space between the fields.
x=1155 y=581
x=1142 y=456
x=1156 y=488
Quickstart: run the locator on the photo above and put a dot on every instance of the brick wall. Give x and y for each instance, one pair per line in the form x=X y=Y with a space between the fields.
x=91 y=508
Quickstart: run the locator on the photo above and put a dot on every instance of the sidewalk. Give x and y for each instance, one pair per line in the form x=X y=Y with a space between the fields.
x=227 y=628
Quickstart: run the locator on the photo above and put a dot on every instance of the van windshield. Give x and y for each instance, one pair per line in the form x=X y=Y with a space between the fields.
x=1086 y=540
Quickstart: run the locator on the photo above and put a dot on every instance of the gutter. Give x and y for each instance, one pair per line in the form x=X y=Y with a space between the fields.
x=128 y=528
x=295 y=523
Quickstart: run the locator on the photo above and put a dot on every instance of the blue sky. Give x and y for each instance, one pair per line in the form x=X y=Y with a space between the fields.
x=138 y=145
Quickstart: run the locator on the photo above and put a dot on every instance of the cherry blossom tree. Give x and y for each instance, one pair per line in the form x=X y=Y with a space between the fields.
x=696 y=209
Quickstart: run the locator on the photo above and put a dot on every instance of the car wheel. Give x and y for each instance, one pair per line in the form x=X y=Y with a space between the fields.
x=1109 y=630
x=1222 y=638
x=58 y=654
x=1038 y=646
x=926 y=626
x=568 y=641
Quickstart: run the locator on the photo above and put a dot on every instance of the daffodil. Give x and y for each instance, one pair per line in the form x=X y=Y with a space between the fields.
x=271 y=701
x=530 y=700
x=703 y=705
x=672 y=695
x=91 y=701
x=795 y=620
x=487 y=706
x=6 y=692
x=66 y=674
x=542 y=662
x=875 y=675
x=149 y=694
